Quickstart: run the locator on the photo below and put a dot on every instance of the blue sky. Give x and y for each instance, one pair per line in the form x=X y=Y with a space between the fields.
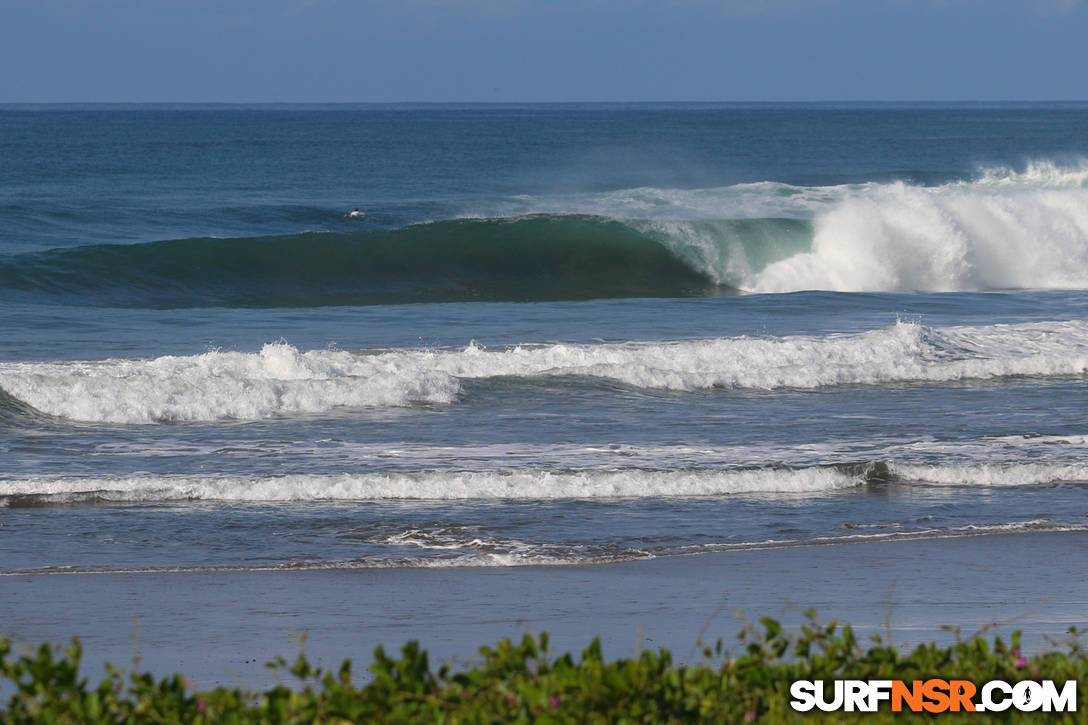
x=542 y=50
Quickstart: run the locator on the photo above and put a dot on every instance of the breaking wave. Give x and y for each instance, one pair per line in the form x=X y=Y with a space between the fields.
x=1004 y=229
x=281 y=380
x=469 y=485
x=524 y=484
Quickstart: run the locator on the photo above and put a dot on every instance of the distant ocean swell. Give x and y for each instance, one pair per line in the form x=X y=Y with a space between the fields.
x=1001 y=230
x=282 y=381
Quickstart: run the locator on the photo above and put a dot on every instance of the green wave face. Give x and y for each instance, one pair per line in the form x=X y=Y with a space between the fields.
x=731 y=251
x=533 y=258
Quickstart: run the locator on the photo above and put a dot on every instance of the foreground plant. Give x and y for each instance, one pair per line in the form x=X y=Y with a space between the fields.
x=522 y=682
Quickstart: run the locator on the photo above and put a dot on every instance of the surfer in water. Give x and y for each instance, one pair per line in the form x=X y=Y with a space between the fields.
x=356 y=214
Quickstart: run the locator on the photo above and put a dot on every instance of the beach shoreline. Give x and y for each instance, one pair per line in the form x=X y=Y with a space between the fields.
x=220 y=628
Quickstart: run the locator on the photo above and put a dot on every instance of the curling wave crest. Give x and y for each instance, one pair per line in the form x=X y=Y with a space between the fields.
x=283 y=381
x=1002 y=229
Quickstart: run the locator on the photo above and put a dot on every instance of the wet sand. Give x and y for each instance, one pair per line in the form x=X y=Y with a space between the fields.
x=219 y=628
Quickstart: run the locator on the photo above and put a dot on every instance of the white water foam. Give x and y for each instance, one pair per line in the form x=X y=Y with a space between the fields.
x=533 y=485
x=523 y=484
x=992 y=474
x=281 y=381
x=467 y=546
x=1006 y=230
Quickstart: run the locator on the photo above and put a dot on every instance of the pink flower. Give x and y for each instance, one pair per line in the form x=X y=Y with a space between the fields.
x=750 y=716
x=554 y=700
x=1016 y=652
x=510 y=698
x=1022 y=662
x=200 y=706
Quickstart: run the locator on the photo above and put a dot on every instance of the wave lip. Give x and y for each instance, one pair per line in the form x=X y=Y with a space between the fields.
x=282 y=381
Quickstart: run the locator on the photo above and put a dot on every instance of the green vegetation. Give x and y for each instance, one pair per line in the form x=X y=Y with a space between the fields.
x=523 y=682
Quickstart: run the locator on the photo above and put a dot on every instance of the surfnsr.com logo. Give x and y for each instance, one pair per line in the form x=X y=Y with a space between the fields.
x=934 y=695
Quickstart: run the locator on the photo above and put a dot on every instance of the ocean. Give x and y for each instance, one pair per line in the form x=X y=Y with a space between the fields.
x=562 y=334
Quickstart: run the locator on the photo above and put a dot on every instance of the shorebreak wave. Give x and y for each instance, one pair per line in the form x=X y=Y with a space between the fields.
x=281 y=380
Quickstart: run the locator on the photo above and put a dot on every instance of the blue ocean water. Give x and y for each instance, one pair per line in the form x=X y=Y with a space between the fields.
x=561 y=334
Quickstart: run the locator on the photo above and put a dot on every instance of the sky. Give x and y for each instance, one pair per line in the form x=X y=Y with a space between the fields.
x=313 y=51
